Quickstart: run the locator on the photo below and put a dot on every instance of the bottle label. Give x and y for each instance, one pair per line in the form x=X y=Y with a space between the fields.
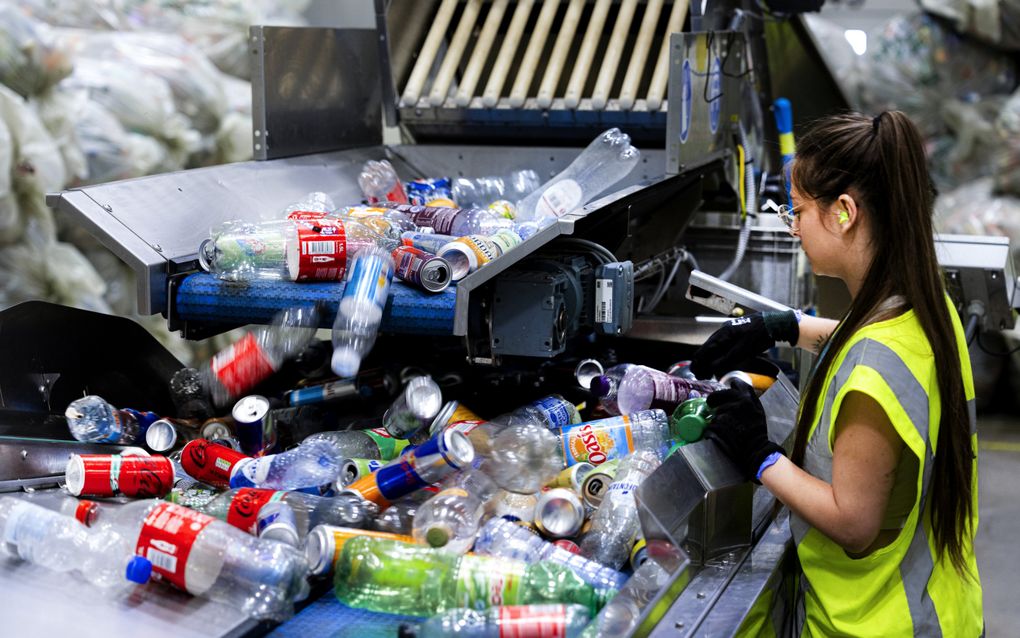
x=484 y=582
x=321 y=250
x=242 y=365
x=438 y=218
x=465 y=427
x=135 y=476
x=548 y=621
x=555 y=411
x=166 y=538
x=559 y=199
x=621 y=487
x=244 y=507
x=389 y=447
x=596 y=442
x=671 y=391
x=209 y=462
x=505 y=241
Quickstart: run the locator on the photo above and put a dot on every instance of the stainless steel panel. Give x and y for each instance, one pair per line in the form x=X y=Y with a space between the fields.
x=34 y=462
x=727 y=298
x=314 y=90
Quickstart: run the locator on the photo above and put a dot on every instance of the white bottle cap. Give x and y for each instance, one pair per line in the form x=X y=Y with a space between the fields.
x=345 y=362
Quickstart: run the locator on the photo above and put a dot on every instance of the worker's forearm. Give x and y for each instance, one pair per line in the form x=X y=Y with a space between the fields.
x=814 y=332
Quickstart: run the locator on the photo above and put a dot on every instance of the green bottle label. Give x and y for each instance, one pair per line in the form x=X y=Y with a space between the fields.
x=484 y=582
x=389 y=447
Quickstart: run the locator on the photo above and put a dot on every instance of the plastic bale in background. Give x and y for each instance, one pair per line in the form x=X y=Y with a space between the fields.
x=1006 y=174
x=39 y=268
x=969 y=151
x=997 y=22
x=31 y=59
x=112 y=152
x=57 y=109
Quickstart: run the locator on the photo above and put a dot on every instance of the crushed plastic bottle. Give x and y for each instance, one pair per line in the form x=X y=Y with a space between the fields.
x=379 y=183
x=621 y=615
x=553 y=411
x=310 y=466
x=480 y=192
x=560 y=621
x=361 y=309
x=450 y=520
x=524 y=458
x=376 y=444
x=93 y=420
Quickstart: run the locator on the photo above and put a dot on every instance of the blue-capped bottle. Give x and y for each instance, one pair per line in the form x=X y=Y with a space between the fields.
x=361 y=309
x=93 y=420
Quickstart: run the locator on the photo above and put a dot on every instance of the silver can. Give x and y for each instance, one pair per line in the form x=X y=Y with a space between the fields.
x=276 y=521
x=559 y=513
x=415 y=408
x=252 y=425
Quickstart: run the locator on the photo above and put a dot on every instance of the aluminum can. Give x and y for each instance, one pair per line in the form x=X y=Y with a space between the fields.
x=276 y=521
x=559 y=513
x=421 y=269
x=99 y=475
x=253 y=426
x=415 y=408
x=597 y=482
x=325 y=542
x=164 y=435
x=573 y=477
x=353 y=469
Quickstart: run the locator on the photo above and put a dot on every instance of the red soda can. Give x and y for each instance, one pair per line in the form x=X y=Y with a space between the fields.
x=568 y=545
x=422 y=269
x=114 y=475
x=210 y=463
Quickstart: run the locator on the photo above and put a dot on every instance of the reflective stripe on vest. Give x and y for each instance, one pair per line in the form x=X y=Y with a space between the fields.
x=917 y=566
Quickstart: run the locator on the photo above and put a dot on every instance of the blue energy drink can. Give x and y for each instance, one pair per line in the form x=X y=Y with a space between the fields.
x=253 y=426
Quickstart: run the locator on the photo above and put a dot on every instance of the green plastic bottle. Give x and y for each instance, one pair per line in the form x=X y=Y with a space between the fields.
x=690 y=419
x=403 y=578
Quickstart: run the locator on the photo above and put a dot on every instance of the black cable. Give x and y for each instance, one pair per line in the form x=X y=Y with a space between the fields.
x=601 y=250
x=1007 y=353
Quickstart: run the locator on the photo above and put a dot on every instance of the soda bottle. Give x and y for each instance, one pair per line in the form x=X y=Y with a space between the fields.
x=310 y=466
x=561 y=621
x=450 y=520
x=690 y=419
x=361 y=309
x=60 y=543
x=620 y=616
x=189 y=396
x=606 y=161
x=376 y=444
x=241 y=251
x=642 y=388
x=208 y=558
x=502 y=538
x=607 y=385
x=415 y=408
x=480 y=192
x=553 y=411
x=401 y=578
x=379 y=183
x=259 y=353
x=615 y=525
x=93 y=420
x=398 y=518
x=458 y=222
x=524 y=458
x=603 y=440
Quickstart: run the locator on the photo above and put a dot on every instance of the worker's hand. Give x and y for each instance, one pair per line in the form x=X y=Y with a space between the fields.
x=739 y=428
x=741 y=339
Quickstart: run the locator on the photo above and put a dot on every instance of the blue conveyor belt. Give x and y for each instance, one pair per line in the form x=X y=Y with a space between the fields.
x=329 y=618
x=203 y=297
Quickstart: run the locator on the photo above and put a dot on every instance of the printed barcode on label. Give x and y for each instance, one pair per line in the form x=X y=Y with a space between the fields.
x=162 y=560
x=319 y=247
x=604 y=301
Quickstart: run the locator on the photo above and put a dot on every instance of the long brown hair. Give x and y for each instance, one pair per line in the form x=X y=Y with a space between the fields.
x=880 y=162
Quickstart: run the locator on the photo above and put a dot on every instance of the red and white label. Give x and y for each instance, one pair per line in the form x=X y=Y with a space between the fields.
x=242 y=365
x=210 y=462
x=466 y=426
x=137 y=476
x=166 y=538
x=533 y=621
x=302 y=215
x=322 y=250
x=244 y=507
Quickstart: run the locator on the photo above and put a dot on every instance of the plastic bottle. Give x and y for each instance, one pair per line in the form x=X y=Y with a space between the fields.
x=561 y=621
x=377 y=444
x=209 y=558
x=606 y=161
x=259 y=353
x=414 y=408
x=505 y=539
x=240 y=508
x=379 y=182
x=603 y=440
x=402 y=578
x=450 y=520
x=310 y=466
x=190 y=400
x=82 y=510
x=479 y=192
x=313 y=202
x=524 y=458
x=93 y=420
x=552 y=411
x=458 y=222
x=361 y=309
x=620 y=616
x=398 y=518
x=615 y=525
x=642 y=388
x=60 y=543
x=606 y=387
x=429 y=242
x=519 y=508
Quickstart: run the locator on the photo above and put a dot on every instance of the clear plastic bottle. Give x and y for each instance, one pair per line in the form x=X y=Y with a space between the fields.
x=60 y=543
x=209 y=558
x=561 y=621
x=314 y=202
x=512 y=506
x=615 y=525
x=458 y=222
x=621 y=615
x=379 y=183
x=552 y=411
x=83 y=510
x=606 y=387
x=189 y=396
x=310 y=466
x=404 y=578
x=479 y=192
x=505 y=539
x=524 y=458
x=642 y=388
x=375 y=444
x=450 y=520
x=603 y=440
x=361 y=309
x=429 y=242
x=241 y=366
x=606 y=161
x=399 y=517
x=93 y=420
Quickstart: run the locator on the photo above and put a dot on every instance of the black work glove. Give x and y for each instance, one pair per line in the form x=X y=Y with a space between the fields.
x=739 y=428
x=741 y=339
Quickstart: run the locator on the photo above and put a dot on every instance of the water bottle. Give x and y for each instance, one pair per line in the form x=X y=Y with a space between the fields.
x=93 y=420
x=458 y=222
x=553 y=411
x=603 y=440
x=189 y=396
x=519 y=508
x=398 y=518
x=208 y=558
x=479 y=192
x=379 y=183
x=502 y=538
x=402 y=578
x=606 y=387
x=414 y=408
x=620 y=616
x=82 y=510
x=361 y=309
x=450 y=520
x=376 y=444
x=314 y=202
x=259 y=353
x=524 y=458
x=562 y=621
x=310 y=466
x=606 y=161
x=642 y=388
x=615 y=525
x=241 y=251
x=60 y=543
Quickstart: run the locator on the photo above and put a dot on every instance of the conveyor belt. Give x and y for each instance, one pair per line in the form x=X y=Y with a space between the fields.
x=329 y=618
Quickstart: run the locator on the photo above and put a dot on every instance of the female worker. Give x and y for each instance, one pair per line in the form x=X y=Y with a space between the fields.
x=882 y=479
